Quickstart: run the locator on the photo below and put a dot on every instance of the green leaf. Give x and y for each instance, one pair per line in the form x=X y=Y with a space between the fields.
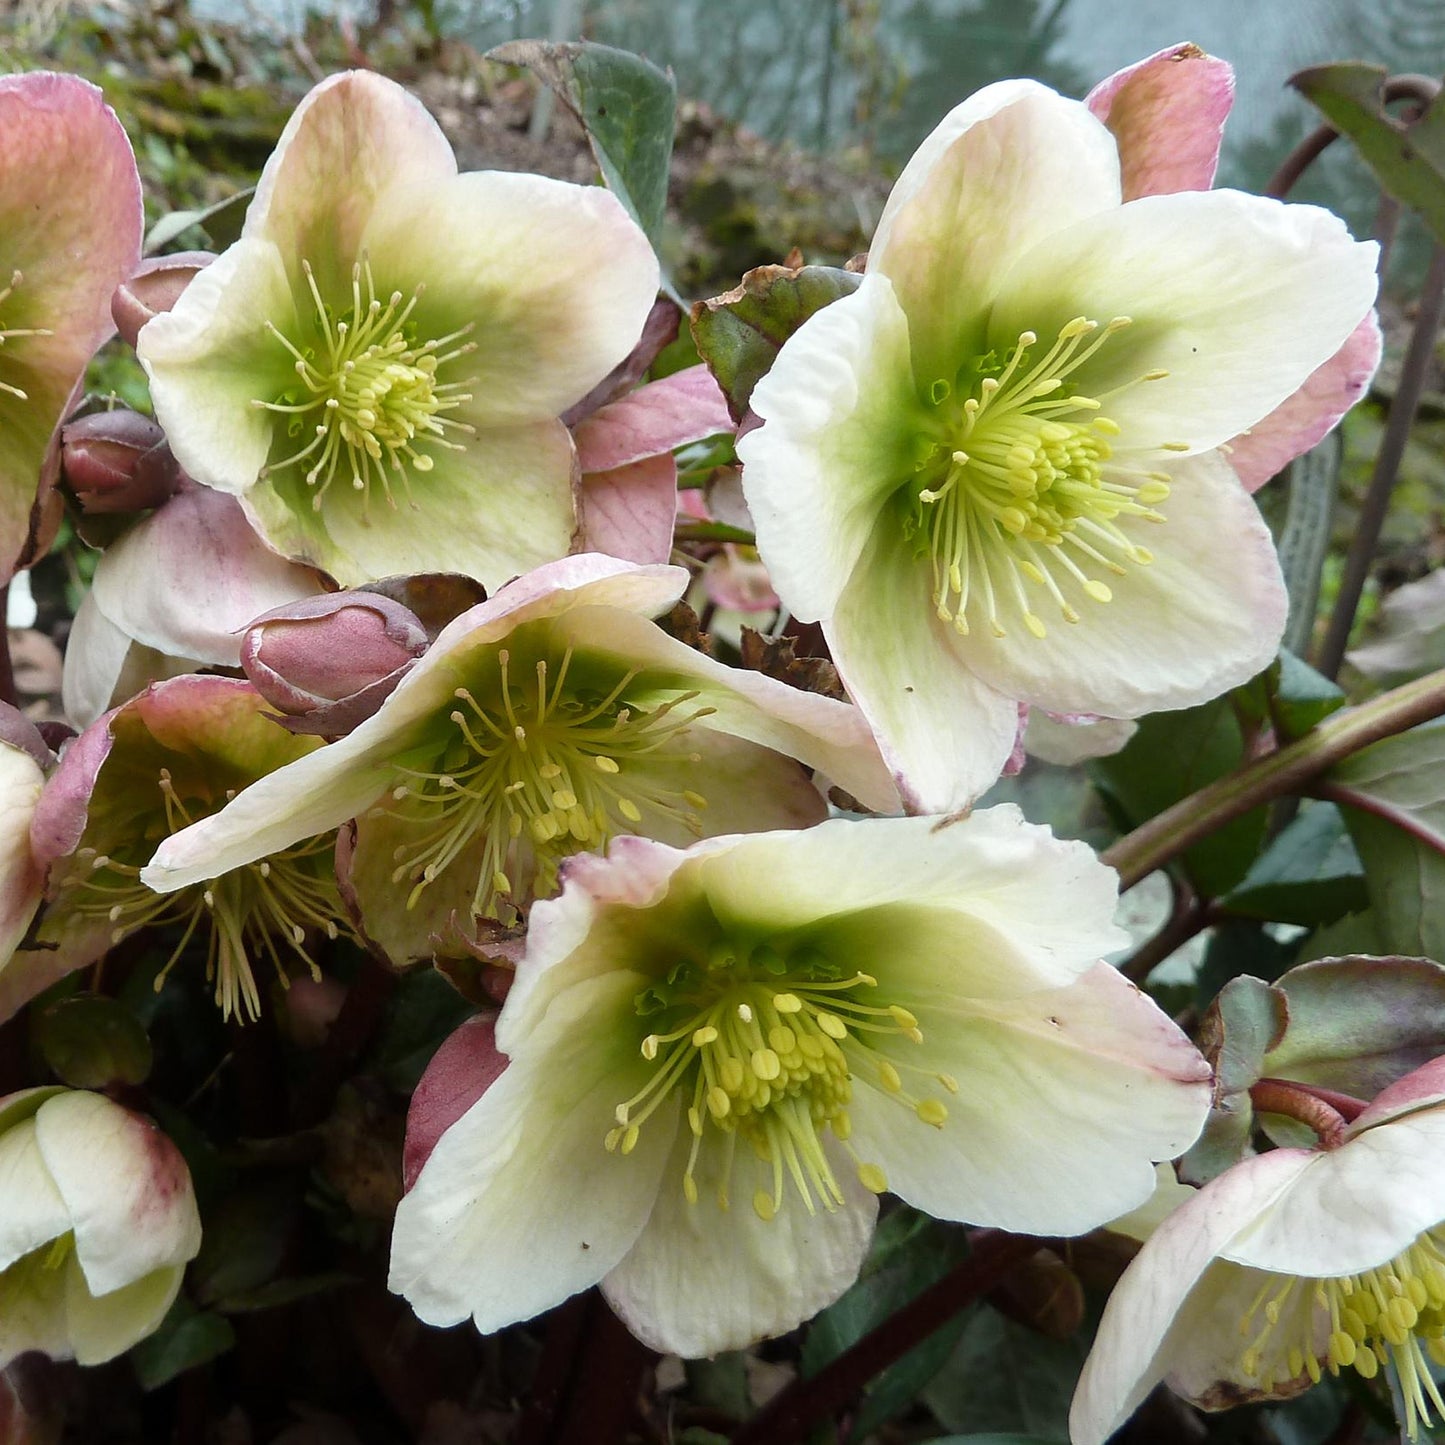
x=91 y=1042
x=1302 y=697
x=1172 y=755
x=1357 y=1024
x=1394 y=792
x=186 y=1338
x=1304 y=539
x=221 y=222
x=246 y=1238
x=989 y=1440
x=740 y=333
x=1310 y=874
x=1006 y=1379
x=626 y=105
x=1407 y=157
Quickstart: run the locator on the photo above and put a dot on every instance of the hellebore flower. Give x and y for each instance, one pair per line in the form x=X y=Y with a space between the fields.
x=539 y=724
x=24 y=759
x=718 y=1057
x=97 y=1223
x=1292 y=1263
x=70 y=231
x=176 y=753
x=993 y=472
x=377 y=367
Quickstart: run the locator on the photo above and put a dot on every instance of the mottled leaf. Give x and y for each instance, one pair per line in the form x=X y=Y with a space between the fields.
x=1304 y=540
x=740 y=332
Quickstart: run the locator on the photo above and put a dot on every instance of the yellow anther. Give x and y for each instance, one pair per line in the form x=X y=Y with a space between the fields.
x=705 y=1035
x=873 y=1179
x=932 y=1111
x=763 y=1205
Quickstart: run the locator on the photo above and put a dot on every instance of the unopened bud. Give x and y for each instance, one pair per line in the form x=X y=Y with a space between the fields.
x=332 y=659
x=156 y=286
x=118 y=461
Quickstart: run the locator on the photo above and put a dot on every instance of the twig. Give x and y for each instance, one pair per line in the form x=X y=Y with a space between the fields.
x=1190 y=915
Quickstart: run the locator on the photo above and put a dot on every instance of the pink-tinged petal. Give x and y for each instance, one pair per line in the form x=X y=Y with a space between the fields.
x=1204 y=616
x=700 y=1279
x=1295 y=425
x=60 y=814
x=496 y=1225
x=739 y=582
x=1091 y=1082
x=944 y=731
x=354 y=137
x=1167 y=114
x=1147 y=1331
x=1419 y=1089
x=629 y=512
x=125 y=1186
x=70 y=229
x=1336 y=1219
x=461 y=1071
x=840 y=414
x=1038 y=164
x=189 y=578
x=563 y=283
x=659 y=417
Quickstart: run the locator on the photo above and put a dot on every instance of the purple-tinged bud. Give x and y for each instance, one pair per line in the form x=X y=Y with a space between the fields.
x=154 y=286
x=329 y=662
x=118 y=461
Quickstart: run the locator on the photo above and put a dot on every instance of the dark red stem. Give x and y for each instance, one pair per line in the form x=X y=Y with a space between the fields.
x=1294 y=1101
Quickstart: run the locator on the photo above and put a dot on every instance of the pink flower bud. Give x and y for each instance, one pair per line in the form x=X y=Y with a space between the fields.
x=118 y=461
x=332 y=659
x=154 y=286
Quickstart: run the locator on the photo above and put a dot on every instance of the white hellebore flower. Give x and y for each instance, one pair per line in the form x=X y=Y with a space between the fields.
x=377 y=367
x=996 y=472
x=1290 y=1264
x=97 y=1223
x=717 y=1059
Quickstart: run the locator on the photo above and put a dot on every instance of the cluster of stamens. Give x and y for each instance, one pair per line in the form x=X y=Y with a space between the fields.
x=266 y=909
x=369 y=394
x=1392 y=1315
x=538 y=770
x=767 y=1049
x=1021 y=494
x=15 y=332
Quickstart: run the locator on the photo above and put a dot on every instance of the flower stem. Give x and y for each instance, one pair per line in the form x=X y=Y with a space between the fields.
x=1290 y=769
x=1279 y=1096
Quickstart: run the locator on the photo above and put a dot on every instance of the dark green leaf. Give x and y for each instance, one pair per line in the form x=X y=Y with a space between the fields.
x=284 y=1292
x=1310 y=874
x=1305 y=538
x=91 y=1041
x=1358 y=1024
x=246 y=1238
x=740 y=333
x=989 y=1440
x=1302 y=696
x=1005 y=1378
x=424 y=1009
x=627 y=107
x=186 y=1338
x=1172 y=755
x=1407 y=157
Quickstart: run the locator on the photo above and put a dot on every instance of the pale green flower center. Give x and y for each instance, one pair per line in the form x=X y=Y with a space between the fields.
x=264 y=910
x=766 y=1049
x=537 y=768
x=1021 y=502
x=15 y=332
x=369 y=402
x=1392 y=1315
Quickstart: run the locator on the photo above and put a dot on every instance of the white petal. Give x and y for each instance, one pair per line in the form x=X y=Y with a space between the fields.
x=32 y=1212
x=211 y=356
x=1147 y=1332
x=1206 y=615
x=1356 y=1206
x=1035 y=165
x=126 y=1188
x=21 y=878
x=944 y=731
x=520 y=1205
x=702 y=1279
x=1237 y=297
x=840 y=418
x=556 y=278
x=102 y=1327
x=1091 y=1083
x=32 y=1311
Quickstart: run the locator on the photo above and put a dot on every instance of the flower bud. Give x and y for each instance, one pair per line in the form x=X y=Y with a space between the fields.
x=97 y=1222
x=118 y=461
x=331 y=660
x=154 y=286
